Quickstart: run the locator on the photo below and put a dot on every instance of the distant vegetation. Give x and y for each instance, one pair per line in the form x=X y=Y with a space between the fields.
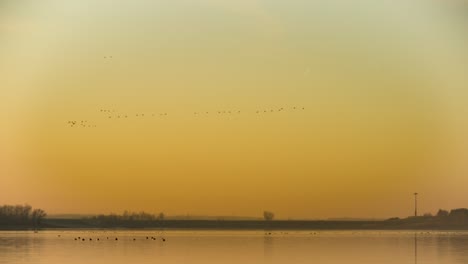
x=456 y=218
x=129 y=219
x=25 y=217
x=21 y=215
x=268 y=216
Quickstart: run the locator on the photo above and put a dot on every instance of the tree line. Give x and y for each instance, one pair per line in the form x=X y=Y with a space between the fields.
x=21 y=215
x=125 y=218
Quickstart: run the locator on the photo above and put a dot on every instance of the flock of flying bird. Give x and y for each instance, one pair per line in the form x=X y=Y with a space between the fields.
x=113 y=114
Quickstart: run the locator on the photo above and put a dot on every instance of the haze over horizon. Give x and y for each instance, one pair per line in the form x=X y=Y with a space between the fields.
x=369 y=105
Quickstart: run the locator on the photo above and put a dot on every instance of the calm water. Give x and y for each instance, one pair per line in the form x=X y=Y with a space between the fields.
x=234 y=247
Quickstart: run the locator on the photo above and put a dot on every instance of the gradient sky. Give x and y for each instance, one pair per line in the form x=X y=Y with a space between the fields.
x=383 y=83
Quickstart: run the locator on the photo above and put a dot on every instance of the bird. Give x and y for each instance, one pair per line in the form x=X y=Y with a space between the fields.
x=163 y=239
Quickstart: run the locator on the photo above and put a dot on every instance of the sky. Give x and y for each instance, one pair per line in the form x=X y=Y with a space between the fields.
x=360 y=104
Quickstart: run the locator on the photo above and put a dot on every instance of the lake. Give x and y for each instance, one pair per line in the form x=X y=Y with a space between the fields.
x=448 y=247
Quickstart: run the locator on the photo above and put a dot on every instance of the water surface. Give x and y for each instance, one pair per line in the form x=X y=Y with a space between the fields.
x=448 y=247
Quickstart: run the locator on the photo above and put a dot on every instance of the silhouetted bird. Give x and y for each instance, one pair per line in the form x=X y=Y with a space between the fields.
x=163 y=239
x=116 y=239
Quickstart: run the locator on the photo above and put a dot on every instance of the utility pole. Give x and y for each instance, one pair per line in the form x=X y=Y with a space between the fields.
x=415 y=204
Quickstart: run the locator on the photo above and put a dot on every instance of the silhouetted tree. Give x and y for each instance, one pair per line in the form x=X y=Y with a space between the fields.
x=268 y=215
x=442 y=213
x=17 y=215
x=38 y=215
x=161 y=216
x=459 y=216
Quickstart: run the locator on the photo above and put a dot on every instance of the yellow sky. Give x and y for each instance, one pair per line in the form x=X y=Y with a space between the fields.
x=383 y=88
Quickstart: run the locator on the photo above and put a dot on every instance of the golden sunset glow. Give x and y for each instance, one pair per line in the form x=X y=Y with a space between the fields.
x=359 y=105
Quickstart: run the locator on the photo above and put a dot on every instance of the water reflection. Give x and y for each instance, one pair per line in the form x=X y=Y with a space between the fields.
x=415 y=248
x=328 y=247
x=268 y=247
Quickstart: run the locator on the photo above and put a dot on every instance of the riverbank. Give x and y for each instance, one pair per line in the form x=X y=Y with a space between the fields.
x=413 y=223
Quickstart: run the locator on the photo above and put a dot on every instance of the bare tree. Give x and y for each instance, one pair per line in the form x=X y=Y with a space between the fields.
x=442 y=213
x=268 y=215
x=37 y=216
x=161 y=216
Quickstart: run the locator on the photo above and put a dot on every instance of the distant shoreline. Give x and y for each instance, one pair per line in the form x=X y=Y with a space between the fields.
x=403 y=224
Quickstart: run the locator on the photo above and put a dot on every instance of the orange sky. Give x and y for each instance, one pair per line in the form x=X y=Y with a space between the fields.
x=383 y=89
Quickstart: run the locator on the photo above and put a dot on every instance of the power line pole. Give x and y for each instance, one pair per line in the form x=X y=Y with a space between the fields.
x=415 y=204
